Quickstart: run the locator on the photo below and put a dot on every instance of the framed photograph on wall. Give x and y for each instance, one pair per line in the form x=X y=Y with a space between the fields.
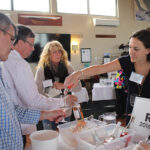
x=85 y=55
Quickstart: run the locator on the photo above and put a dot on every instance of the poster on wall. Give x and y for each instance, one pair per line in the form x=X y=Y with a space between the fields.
x=142 y=10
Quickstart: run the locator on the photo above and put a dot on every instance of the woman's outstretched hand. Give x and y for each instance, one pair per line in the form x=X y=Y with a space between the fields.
x=73 y=79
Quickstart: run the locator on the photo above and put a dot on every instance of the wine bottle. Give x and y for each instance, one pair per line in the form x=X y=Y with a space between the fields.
x=78 y=114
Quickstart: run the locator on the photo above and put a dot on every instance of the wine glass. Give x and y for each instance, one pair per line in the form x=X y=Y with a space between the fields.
x=65 y=107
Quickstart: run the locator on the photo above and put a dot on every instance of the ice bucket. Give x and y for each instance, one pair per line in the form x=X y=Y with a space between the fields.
x=44 y=140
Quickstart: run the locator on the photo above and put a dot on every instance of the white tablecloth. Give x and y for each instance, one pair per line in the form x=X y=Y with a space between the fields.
x=103 y=92
x=82 y=95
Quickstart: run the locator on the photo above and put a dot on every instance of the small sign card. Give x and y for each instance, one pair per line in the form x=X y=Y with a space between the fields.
x=141 y=114
x=47 y=83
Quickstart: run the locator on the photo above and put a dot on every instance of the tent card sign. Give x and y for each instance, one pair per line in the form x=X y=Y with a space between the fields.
x=141 y=114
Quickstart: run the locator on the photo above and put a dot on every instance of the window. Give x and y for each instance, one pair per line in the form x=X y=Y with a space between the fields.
x=72 y=6
x=5 y=5
x=32 y=5
x=26 y=5
x=102 y=7
x=92 y=7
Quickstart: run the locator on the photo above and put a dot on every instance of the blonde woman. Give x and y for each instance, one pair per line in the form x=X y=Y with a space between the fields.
x=53 y=67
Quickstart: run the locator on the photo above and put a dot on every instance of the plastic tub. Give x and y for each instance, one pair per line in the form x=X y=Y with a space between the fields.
x=131 y=147
x=86 y=140
x=69 y=137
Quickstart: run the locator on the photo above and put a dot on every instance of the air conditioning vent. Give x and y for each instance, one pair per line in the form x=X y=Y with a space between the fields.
x=106 y=22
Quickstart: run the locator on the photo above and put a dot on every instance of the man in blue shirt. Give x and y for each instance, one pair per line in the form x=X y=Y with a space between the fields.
x=10 y=115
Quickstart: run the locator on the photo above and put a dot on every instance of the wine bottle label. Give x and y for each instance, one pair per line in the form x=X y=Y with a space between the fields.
x=76 y=114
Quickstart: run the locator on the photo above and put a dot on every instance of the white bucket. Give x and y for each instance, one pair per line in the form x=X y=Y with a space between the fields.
x=44 y=140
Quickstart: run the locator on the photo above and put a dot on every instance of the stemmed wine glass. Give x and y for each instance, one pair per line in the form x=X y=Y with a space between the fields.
x=66 y=107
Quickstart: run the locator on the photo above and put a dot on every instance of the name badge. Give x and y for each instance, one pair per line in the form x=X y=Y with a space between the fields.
x=47 y=83
x=137 y=78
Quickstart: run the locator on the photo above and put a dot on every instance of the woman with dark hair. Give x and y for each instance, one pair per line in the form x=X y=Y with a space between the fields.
x=134 y=65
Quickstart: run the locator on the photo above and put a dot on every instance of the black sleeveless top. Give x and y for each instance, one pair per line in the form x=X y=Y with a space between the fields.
x=133 y=88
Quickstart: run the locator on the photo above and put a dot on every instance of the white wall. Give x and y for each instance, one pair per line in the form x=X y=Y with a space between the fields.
x=82 y=27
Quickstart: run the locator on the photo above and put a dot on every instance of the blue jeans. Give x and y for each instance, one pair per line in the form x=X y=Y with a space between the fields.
x=51 y=125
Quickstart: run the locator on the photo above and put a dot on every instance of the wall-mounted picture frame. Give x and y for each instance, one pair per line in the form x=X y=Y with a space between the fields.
x=85 y=55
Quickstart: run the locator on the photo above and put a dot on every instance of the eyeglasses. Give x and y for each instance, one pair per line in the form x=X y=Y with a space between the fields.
x=13 y=38
x=32 y=45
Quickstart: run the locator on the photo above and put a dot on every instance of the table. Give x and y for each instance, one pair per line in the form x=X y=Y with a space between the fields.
x=103 y=92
